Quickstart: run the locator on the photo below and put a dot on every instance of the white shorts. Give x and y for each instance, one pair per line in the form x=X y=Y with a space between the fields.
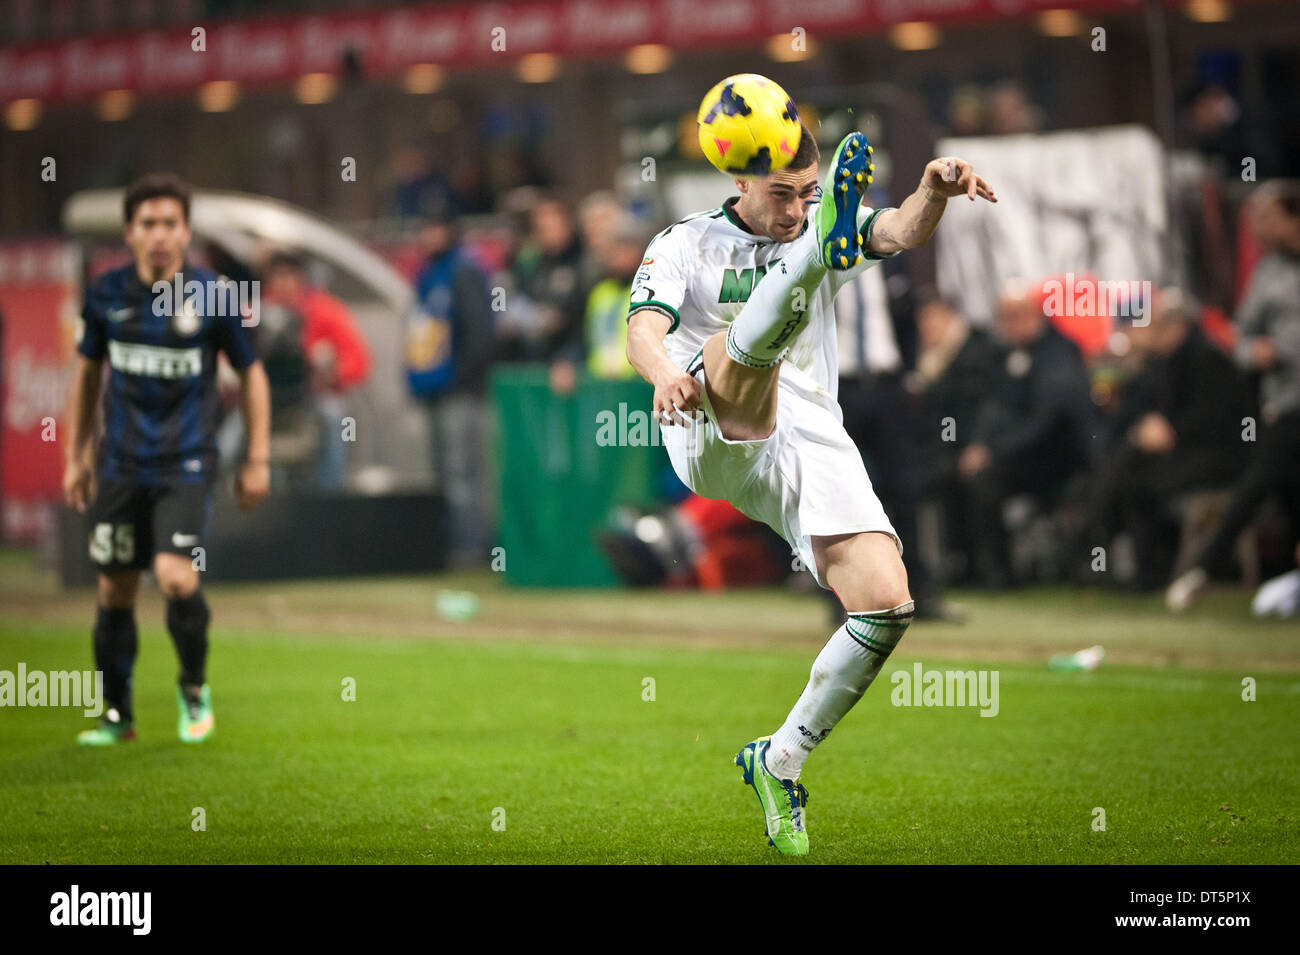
x=804 y=480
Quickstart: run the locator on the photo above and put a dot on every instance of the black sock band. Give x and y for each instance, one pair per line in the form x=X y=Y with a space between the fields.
x=187 y=620
x=116 y=643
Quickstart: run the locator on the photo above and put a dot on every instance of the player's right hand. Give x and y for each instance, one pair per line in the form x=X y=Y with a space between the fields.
x=677 y=397
x=252 y=484
x=78 y=485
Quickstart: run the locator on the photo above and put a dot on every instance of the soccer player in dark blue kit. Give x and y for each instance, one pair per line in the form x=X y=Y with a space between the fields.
x=148 y=484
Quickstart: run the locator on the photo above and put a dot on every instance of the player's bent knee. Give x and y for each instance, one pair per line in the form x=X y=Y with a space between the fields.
x=873 y=598
x=176 y=578
x=885 y=595
x=886 y=580
x=118 y=591
x=873 y=588
x=178 y=586
x=865 y=570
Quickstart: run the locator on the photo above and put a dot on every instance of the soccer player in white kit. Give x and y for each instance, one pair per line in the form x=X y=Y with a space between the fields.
x=731 y=319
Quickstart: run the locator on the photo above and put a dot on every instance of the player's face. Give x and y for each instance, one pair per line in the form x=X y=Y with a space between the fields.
x=777 y=205
x=158 y=236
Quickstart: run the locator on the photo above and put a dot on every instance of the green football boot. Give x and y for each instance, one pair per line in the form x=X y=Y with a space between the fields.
x=110 y=731
x=783 y=800
x=196 y=721
x=838 y=237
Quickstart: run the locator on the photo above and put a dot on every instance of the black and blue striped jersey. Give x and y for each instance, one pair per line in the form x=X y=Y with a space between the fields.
x=161 y=405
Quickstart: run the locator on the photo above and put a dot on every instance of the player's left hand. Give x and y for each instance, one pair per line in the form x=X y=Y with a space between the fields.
x=252 y=484
x=950 y=176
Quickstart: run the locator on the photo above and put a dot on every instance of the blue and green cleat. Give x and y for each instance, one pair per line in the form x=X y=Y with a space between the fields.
x=783 y=800
x=838 y=237
x=196 y=721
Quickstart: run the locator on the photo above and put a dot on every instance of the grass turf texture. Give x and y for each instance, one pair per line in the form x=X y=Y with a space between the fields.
x=451 y=723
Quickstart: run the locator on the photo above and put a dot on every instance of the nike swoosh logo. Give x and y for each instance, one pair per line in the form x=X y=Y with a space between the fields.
x=120 y=314
x=184 y=540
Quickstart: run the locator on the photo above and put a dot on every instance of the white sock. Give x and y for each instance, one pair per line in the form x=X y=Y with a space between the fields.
x=777 y=310
x=840 y=675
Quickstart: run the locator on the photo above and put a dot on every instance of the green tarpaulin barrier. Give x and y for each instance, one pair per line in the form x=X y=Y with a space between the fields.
x=565 y=461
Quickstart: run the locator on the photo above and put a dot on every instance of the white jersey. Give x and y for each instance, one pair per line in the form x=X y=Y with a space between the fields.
x=806 y=479
x=700 y=272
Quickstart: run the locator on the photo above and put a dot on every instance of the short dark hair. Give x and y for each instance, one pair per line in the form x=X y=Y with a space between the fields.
x=807 y=154
x=156 y=185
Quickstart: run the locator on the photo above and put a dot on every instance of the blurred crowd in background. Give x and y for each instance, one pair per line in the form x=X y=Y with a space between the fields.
x=1032 y=451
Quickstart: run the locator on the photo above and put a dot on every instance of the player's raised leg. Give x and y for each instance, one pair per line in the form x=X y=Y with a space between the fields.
x=116 y=643
x=187 y=622
x=740 y=365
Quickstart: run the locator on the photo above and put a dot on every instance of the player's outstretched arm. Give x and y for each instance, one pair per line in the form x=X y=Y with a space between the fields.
x=253 y=483
x=675 y=391
x=79 y=443
x=912 y=223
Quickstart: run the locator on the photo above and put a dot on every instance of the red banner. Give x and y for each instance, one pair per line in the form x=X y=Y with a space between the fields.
x=39 y=303
x=464 y=35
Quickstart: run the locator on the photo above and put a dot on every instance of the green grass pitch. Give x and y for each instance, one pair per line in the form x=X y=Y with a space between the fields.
x=469 y=743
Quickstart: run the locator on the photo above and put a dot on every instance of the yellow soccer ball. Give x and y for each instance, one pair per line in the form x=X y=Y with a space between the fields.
x=748 y=126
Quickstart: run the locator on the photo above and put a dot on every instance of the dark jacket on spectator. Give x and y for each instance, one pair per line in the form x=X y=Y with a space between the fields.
x=1203 y=396
x=557 y=281
x=957 y=393
x=1039 y=417
x=473 y=341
